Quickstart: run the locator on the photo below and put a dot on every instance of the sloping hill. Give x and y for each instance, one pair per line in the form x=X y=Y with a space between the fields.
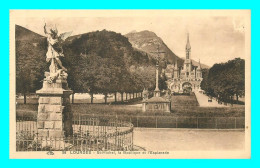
x=148 y=41
x=22 y=33
x=106 y=44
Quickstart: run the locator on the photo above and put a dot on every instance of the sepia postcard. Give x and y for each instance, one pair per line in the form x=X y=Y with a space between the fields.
x=138 y=84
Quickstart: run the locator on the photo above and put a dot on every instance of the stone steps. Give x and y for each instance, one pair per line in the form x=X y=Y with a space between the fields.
x=184 y=101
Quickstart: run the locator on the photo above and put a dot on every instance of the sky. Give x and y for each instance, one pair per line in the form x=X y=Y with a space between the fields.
x=213 y=39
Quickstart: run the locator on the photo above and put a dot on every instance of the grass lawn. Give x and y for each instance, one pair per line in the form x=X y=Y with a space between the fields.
x=185 y=115
x=123 y=109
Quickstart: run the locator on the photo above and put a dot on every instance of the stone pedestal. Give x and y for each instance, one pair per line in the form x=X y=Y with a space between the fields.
x=156 y=104
x=54 y=111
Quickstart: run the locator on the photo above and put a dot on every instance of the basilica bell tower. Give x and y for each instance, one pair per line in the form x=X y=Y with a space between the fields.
x=188 y=66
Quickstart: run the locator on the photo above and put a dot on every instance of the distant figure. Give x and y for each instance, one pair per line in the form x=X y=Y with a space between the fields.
x=145 y=94
x=168 y=94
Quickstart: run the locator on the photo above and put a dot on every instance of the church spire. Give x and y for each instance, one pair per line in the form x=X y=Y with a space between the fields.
x=176 y=65
x=188 y=47
x=199 y=67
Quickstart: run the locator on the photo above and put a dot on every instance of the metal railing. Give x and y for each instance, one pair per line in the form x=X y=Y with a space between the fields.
x=98 y=132
x=167 y=121
x=199 y=122
x=188 y=122
x=90 y=133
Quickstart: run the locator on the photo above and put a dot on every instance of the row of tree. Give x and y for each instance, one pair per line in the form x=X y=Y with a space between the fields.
x=225 y=80
x=30 y=66
x=105 y=62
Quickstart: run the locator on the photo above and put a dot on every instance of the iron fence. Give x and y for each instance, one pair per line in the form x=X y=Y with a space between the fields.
x=90 y=133
x=98 y=132
x=167 y=121
x=189 y=122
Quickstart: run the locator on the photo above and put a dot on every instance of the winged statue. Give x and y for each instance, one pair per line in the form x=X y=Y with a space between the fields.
x=55 y=51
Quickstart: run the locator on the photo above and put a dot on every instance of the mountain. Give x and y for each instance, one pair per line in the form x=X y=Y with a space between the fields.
x=107 y=45
x=22 y=33
x=203 y=66
x=148 y=42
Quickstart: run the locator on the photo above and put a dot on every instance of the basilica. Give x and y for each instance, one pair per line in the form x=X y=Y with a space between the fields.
x=186 y=77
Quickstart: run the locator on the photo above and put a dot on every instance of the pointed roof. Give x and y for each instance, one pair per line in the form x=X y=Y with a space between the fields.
x=199 y=67
x=156 y=100
x=188 y=47
x=176 y=65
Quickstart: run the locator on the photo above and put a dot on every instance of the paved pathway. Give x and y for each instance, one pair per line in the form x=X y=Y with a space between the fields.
x=203 y=101
x=172 y=139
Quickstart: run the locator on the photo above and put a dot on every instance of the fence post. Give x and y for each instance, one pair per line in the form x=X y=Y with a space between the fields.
x=235 y=122
x=93 y=124
x=132 y=140
x=156 y=121
x=116 y=136
x=216 y=125
x=197 y=122
x=176 y=122
x=136 y=121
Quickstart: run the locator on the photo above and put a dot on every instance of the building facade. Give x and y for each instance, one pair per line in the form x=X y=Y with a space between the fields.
x=186 y=77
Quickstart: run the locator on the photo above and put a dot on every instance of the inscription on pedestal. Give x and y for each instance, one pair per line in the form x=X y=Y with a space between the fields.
x=156 y=104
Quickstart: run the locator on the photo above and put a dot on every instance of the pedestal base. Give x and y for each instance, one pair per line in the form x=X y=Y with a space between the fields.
x=156 y=104
x=54 y=119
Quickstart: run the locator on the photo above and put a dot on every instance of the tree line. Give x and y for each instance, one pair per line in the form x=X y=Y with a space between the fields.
x=225 y=81
x=105 y=62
